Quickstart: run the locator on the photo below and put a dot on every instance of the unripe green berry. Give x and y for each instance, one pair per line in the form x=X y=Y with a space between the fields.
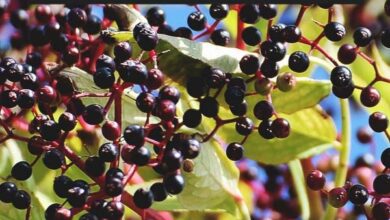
x=263 y=86
x=286 y=82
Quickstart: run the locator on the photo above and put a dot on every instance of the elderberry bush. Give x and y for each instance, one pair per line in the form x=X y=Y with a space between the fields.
x=125 y=114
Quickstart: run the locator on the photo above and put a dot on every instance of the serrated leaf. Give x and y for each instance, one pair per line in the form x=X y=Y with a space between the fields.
x=311 y=133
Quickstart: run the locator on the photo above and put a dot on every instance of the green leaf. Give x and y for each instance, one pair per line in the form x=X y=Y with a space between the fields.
x=312 y=132
x=126 y=17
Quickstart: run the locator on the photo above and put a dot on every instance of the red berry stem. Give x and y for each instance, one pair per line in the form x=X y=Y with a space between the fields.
x=378 y=75
x=209 y=30
x=304 y=40
x=240 y=27
x=148 y=214
x=302 y=11
x=28 y=213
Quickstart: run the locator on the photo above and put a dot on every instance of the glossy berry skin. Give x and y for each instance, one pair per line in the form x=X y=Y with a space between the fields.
x=196 y=87
x=123 y=51
x=104 y=78
x=155 y=79
x=234 y=151
x=298 y=61
x=385 y=38
x=71 y=56
x=240 y=109
x=97 y=207
x=155 y=16
x=280 y=128
x=172 y=160
x=165 y=109
x=249 y=13
x=9 y=98
x=291 y=34
x=244 y=126
x=274 y=51
x=145 y=102
x=14 y=72
x=263 y=110
x=95 y=166
x=19 y=18
x=146 y=38
x=220 y=37
x=114 y=210
x=139 y=156
x=51 y=210
x=192 y=118
x=214 y=77
x=249 y=64
x=334 y=31
x=111 y=130
x=26 y=98
x=347 y=54
x=315 y=180
x=341 y=76
x=105 y=61
x=7 y=192
x=385 y=157
x=276 y=32
x=108 y=152
x=265 y=130
x=67 y=121
x=50 y=130
x=159 y=192
x=53 y=159
x=190 y=148
x=38 y=36
x=77 y=197
x=170 y=93
x=251 y=36
x=362 y=36
x=21 y=170
x=92 y=25
x=88 y=216
x=358 y=194
x=268 y=11
x=134 y=135
x=196 y=21
x=269 y=68
x=61 y=185
x=381 y=210
x=234 y=95
x=113 y=186
x=46 y=94
x=338 y=197
x=343 y=92
x=21 y=200
x=370 y=96
x=76 y=17
x=133 y=71
x=209 y=107
x=173 y=184
x=143 y=198
x=59 y=43
x=93 y=114
x=387 y=7
x=378 y=121
x=381 y=184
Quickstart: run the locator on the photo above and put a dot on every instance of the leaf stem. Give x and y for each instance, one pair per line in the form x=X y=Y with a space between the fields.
x=341 y=172
x=299 y=185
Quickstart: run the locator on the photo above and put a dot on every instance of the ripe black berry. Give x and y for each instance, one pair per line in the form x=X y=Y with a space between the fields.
x=338 y=197
x=196 y=21
x=38 y=37
x=343 y=92
x=50 y=130
x=276 y=32
x=105 y=61
x=51 y=210
x=219 y=11
x=114 y=210
x=123 y=51
x=134 y=135
x=196 y=87
x=174 y=184
x=358 y=194
x=214 y=77
x=385 y=38
x=26 y=98
x=93 y=114
x=145 y=102
x=291 y=34
x=95 y=166
x=220 y=37
x=192 y=118
x=113 y=186
x=341 y=76
x=249 y=64
x=34 y=59
x=347 y=54
x=381 y=210
x=155 y=16
x=104 y=78
x=190 y=148
x=139 y=156
x=93 y=24
x=385 y=157
x=251 y=36
x=7 y=192
x=108 y=152
x=159 y=192
x=59 y=43
x=234 y=95
x=71 y=55
x=146 y=37
x=54 y=159
x=265 y=130
x=315 y=180
x=19 y=18
x=362 y=36
x=280 y=128
x=234 y=151
x=378 y=121
x=269 y=68
x=183 y=32
x=274 y=51
x=369 y=96
x=334 y=31
x=97 y=207
x=77 y=17
x=143 y=198
x=88 y=216
x=239 y=109
x=249 y=13
x=170 y=93
x=21 y=170
x=14 y=72
x=244 y=126
x=268 y=11
x=165 y=109
x=298 y=61
x=263 y=110
x=172 y=160
x=209 y=107
x=133 y=71
x=61 y=185
x=77 y=196
x=21 y=200
x=382 y=184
